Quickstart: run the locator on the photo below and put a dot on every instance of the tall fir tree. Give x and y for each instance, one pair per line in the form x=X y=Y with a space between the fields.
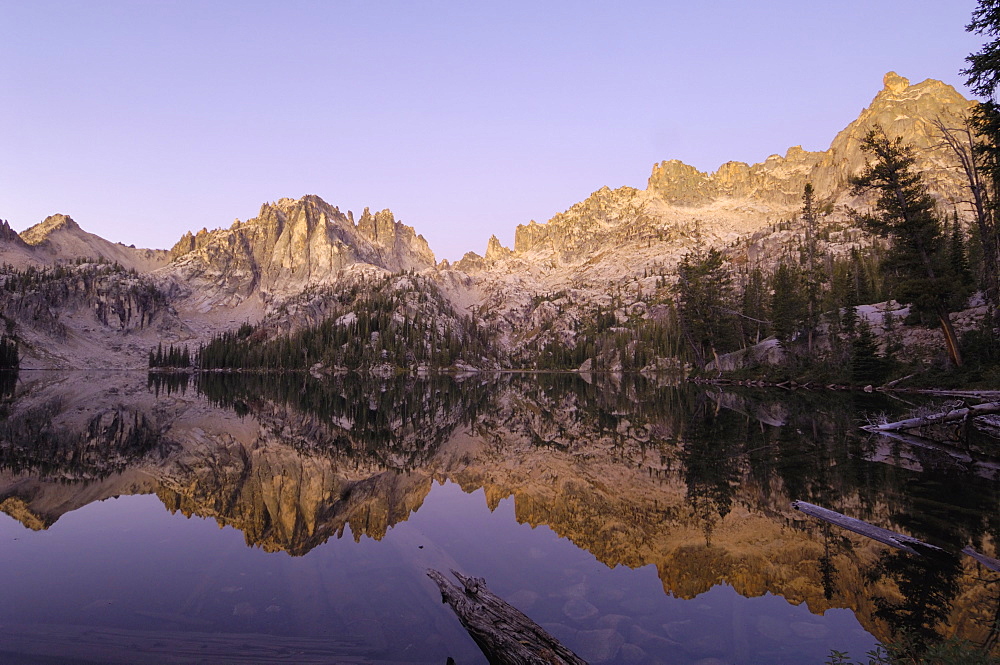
x=813 y=275
x=982 y=166
x=788 y=307
x=905 y=213
x=705 y=299
x=754 y=306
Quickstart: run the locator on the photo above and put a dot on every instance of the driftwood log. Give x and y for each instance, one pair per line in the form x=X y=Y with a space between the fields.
x=986 y=467
x=890 y=538
x=937 y=418
x=504 y=634
x=987 y=561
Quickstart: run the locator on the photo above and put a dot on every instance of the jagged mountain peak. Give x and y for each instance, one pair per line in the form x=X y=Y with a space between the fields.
x=904 y=110
x=895 y=83
x=58 y=238
x=40 y=232
x=10 y=236
x=293 y=242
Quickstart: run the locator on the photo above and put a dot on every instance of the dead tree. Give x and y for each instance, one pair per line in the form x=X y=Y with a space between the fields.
x=505 y=635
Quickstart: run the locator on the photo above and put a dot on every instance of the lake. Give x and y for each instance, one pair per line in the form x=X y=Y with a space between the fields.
x=228 y=518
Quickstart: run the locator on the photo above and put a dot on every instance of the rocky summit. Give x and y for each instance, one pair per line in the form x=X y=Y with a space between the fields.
x=616 y=251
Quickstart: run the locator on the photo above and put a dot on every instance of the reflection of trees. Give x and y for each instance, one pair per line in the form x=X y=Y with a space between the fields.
x=626 y=468
x=398 y=422
x=927 y=591
x=711 y=456
x=31 y=441
x=8 y=383
x=928 y=586
x=168 y=382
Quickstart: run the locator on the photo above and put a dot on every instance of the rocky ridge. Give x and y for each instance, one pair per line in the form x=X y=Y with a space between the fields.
x=59 y=239
x=291 y=244
x=618 y=249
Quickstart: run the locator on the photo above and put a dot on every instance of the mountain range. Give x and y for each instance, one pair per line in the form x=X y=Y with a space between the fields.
x=616 y=251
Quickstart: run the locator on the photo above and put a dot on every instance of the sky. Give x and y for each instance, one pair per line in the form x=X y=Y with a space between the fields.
x=143 y=120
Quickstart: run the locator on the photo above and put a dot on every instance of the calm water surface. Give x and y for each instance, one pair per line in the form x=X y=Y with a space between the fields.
x=282 y=519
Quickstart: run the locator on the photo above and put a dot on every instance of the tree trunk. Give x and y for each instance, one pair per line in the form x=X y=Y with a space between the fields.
x=890 y=538
x=937 y=418
x=505 y=635
x=950 y=339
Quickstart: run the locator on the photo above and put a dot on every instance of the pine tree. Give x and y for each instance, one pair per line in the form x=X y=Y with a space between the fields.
x=754 y=306
x=813 y=275
x=958 y=256
x=904 y=212
x=788 y=307
x=867 y=366
x=705 y=304
x=982 y=166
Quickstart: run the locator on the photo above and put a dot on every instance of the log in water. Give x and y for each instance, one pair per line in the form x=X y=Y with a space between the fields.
x=890 y=538
x=505 y=635
x=949 y=416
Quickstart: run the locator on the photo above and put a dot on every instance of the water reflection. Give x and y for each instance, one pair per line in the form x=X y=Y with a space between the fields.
x=695 y=482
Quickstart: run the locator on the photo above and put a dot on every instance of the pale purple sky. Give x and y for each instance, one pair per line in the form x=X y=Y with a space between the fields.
x=143 y=120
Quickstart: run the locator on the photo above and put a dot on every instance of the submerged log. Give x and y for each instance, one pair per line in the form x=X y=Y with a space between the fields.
x=504 y=634
x=890 y=538
x=937 y=418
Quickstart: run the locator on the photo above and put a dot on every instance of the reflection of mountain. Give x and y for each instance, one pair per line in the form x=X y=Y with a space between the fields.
x=697 y=484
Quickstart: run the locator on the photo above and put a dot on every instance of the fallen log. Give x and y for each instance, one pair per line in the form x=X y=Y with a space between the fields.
x=505 y=635
x=890 y=538
x=985 y=467
x=937 y=418
x=987 y=561
x=895 y=383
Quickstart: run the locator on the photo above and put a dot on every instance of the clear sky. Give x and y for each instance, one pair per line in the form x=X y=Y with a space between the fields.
x=143 y=120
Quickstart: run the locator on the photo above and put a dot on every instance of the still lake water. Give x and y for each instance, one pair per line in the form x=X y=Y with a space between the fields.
x=250 y=519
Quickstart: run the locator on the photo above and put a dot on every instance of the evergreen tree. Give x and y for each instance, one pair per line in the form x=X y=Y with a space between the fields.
x=705 y=304
x=754 y=307
x=867 y=367
x=958 y=256
x=904 y=212
x=812 y=274
x=982 y=166
x=788 y=307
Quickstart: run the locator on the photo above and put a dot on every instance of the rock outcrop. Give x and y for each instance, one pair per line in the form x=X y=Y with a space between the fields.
x=291 y=244
x=747 y=197
x=902 y=110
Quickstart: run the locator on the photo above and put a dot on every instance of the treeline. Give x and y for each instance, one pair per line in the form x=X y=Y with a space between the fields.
x=171 y=357
x=119 y=297
x=630 y=344
x=402 y=321
x=931 y=264
x=20 y=281
x=398 y=422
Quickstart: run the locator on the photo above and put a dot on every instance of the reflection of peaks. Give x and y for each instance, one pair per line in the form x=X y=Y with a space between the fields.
x=19 y=509
x=282 y=500
x=689 y=481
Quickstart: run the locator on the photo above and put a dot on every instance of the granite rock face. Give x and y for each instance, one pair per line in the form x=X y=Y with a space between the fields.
x=293 y=243
x=616 y=250
x=903 y=110
x=760 y=193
